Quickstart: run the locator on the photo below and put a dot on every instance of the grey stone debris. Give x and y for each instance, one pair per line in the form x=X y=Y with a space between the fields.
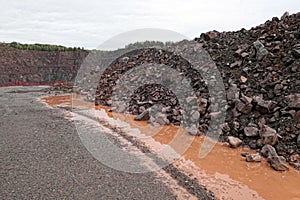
x=296 y=52
x=253 y=157
x=251 y=131
x=262 y=52
x=144 y=116
x=285 y=15
x=226 y=127
x=233 y=92
x=276 y=162
x=234 y=142
x=293 y=100
x=268 y=135
x=263 y=106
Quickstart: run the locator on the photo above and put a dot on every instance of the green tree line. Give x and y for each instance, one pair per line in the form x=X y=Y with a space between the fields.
x=149 y=43
x=40 y=47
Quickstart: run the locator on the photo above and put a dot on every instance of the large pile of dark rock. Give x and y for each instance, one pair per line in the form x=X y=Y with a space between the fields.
x=260 y=69
x=155 y=96
x=262 y=66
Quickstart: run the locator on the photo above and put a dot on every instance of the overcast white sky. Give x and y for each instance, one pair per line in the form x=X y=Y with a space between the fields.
x=88 y=23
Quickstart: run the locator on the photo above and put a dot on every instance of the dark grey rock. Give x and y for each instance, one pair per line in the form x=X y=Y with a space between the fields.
x=285 y=15
x=251 y=131
x=296 y=52
x=293 y=100
x=263 y=106
x=268 y=135
x=243 y=108
x=253 y=158
x=268 y=150
x=226 y=128
x=233 y=92
x=244 y=154
x=278 y=163
x=262 y=52
x=144 y=116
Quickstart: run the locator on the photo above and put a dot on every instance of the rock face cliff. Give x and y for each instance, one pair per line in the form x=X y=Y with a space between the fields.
x=39 y=67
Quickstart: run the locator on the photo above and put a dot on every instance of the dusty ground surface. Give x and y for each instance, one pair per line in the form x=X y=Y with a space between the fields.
x=42 y=157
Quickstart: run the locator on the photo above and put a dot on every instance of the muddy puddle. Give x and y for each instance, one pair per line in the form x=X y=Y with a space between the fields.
x=223 y=170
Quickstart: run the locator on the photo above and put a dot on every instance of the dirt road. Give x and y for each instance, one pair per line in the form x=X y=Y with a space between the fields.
x=42 y=157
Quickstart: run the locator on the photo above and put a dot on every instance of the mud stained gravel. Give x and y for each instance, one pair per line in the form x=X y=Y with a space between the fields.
x=42 y=157
x=191 y=185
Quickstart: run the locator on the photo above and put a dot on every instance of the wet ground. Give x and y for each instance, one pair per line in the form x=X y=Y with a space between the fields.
x=224 y=170
x=42 y=157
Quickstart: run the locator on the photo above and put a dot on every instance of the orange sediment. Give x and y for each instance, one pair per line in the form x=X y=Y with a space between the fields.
x=221 y=161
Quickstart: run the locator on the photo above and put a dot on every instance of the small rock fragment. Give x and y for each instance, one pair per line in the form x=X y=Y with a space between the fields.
x=234 y=142
x=263 y=106
x=278 y=163
x=243 y=79
x=246 y=100
x=268 y=135
x=226 y=128
x=262 y=52
x=244 y=154
x=251 y=131
x=293 y=100
x=253 y=158
x=233 y=92
x=285 y=15
x=144 y=116
x=210 y=35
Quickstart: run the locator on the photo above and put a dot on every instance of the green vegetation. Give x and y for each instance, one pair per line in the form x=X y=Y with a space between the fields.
x=149 y=44
x=40 y=47
x=49 y=47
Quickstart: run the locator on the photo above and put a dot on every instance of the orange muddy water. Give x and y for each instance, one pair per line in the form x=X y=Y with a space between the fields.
x=222 y=161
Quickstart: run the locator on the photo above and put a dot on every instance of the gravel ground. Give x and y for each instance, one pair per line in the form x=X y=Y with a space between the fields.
x=41 y=157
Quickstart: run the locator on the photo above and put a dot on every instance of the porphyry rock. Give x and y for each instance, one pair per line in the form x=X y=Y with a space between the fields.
x=278 y=163
x=253 y=158
x=251 y=131
x=268 y=150
x=262 y=52
x=263 y=106
x=144 y=116
x=226 y=127
x=234 y=142
x=243 y=107
x=233 y=92
x=293 y=100
x=268 y=135
x=210 y=35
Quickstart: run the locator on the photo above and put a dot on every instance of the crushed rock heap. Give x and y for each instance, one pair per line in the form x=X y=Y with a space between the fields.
x=260 y=69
